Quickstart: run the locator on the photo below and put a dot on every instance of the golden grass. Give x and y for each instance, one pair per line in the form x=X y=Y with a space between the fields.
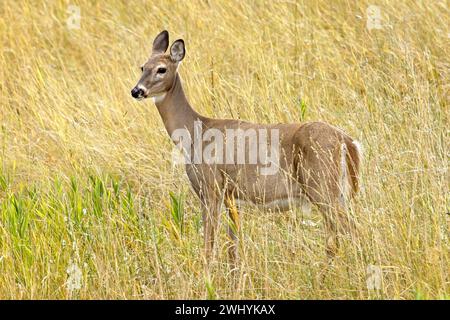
x=86 y=172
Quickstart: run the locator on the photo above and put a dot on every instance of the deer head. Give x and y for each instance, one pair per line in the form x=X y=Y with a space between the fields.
x=158 y=73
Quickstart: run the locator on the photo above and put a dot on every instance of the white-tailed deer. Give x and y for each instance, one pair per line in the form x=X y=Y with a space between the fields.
x=309 y=163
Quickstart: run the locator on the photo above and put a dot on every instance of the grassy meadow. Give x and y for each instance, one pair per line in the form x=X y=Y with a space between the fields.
x=91 y=206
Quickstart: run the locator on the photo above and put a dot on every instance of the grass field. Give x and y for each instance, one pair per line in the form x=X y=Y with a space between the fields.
x=92 y=207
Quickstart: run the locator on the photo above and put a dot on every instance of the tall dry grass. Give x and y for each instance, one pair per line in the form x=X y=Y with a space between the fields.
x=86 y=173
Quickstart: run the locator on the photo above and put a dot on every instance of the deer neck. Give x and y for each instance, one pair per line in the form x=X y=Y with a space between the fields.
x=175 y=110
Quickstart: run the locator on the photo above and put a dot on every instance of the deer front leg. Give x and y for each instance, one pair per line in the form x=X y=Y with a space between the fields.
x=233 y=230
x=210 y=216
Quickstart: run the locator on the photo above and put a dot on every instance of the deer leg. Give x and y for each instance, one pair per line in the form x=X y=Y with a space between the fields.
x=233 y=231
x=210 y=216
x=337 y=223
x=206 y=233
x=327 y=189
x=320 y=193
x=331 y=236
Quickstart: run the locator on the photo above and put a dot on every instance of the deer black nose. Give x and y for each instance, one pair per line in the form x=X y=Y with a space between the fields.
x=137 y=92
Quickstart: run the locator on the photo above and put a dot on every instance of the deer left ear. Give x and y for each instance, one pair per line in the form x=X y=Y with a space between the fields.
x=161 y=42
x=177 y=50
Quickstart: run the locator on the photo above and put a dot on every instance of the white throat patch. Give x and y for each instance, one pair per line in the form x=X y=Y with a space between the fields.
x=160 y=98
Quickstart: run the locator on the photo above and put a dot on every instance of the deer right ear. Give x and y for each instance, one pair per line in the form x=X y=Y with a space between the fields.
x=177 y=50
x=161 y=42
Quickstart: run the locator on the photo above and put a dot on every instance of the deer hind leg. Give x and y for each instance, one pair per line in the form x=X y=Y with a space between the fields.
x=331 y=240
x=337 y=223
x=233 y=230
x=333 y=207
x=328 y=189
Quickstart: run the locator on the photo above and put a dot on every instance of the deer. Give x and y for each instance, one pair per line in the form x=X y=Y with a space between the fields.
x=318 y=164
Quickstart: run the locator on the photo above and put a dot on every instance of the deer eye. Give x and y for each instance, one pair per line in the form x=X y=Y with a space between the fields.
x=161 y=70
x=142 y=68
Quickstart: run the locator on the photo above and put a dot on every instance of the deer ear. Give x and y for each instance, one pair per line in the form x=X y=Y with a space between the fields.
x=161 y=42
x=177 y=50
